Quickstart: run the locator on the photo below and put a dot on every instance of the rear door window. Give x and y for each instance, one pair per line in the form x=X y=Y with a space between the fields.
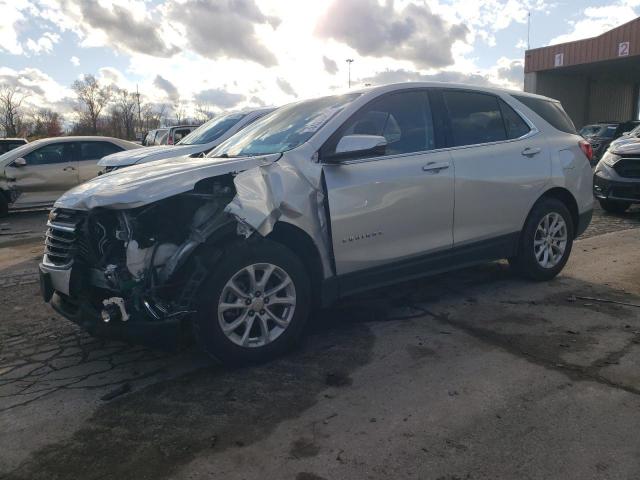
x=475 y=118
x=552 y=112
x=96 y=150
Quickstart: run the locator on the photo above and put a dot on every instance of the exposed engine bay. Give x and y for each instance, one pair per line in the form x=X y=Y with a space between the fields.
x=141 y=260
x=127 y=253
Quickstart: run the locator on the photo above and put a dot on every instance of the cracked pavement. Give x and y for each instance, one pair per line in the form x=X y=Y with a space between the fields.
x=474 y=374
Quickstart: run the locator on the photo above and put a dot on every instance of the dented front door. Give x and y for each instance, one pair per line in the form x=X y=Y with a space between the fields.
x=397 y=205
x=49 y=172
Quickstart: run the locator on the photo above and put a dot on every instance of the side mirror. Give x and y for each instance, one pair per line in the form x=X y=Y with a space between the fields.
x=360 y=146
x=20 y=162
x=626 y=134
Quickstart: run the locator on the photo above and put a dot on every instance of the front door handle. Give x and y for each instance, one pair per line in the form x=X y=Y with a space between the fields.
x=66 y=169
x=531 y=151
x=435 y=167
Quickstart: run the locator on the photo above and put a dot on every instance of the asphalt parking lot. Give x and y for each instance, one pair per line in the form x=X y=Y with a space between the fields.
x=470 y=375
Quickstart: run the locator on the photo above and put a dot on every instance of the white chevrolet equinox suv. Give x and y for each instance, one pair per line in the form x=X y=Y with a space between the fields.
x=315 y=201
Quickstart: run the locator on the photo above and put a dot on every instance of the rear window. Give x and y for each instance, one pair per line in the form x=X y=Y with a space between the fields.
x=550 y=111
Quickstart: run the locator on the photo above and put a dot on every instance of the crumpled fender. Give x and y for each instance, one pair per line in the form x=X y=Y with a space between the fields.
x=283 y=191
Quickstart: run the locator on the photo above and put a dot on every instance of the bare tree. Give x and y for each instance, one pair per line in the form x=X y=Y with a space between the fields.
x=139 y=127
x=10 y=110
x=204 y=112
x=126 y=105
x=179 y=112
x=93 y=97
x=46 y=123
x=153 y=115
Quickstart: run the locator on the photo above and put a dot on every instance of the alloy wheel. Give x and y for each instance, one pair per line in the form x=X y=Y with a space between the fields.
x=550 y=240
x=256 y=305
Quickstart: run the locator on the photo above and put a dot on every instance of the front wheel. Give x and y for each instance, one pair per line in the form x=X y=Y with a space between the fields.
x=546 y=241
x=255 y=304
x=613 y=206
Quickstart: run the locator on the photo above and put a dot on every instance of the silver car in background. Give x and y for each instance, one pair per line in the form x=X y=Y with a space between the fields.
x=200 y=141
x=321 y=199
x=37 y=173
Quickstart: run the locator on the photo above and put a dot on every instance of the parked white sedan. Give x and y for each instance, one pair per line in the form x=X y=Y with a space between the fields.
x=37 y=173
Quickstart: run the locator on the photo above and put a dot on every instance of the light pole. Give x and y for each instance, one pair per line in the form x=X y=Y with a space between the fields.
x=349 y=62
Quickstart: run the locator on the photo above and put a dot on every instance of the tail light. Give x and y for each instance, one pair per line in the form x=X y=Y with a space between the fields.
x=587 y=149
x=170 y=140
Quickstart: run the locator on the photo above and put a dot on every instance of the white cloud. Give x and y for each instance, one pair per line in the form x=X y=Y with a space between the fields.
x=485 y=18
x=12 y=16
x=40 y=89
x=597 y=20
x=412 y=32
x=44 y=44
x=75 y=61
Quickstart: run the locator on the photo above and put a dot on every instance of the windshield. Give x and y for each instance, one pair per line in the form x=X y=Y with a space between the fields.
x=213 y=129
x=606 y=131
x=635 y=132
x=284 y=129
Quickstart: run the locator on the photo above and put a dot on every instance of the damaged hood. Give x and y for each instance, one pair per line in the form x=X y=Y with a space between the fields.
x=628 y=146
x=148 y=154
x=149 y=182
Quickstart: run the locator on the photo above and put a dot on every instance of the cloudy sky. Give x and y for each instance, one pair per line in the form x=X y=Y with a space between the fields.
x=230 y=54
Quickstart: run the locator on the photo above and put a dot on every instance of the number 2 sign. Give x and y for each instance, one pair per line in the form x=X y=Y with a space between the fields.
x=623 y=49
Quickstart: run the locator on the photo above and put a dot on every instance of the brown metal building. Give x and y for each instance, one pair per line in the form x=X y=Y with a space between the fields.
x=596 y=79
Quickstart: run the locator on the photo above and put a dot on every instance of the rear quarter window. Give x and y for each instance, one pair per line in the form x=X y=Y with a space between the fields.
x=552 y=112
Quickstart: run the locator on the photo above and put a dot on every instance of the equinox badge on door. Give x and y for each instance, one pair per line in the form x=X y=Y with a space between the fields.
x=362 y=236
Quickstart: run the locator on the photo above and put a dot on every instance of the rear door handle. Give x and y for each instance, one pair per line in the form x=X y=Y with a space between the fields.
x=531 y=151
x=435 y=167
x=66 y=169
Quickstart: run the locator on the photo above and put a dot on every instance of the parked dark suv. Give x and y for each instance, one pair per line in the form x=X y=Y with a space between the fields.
x=616 y=181
x=600 y=135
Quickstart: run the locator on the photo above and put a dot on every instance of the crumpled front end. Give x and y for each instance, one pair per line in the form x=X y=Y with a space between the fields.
x=112 y=268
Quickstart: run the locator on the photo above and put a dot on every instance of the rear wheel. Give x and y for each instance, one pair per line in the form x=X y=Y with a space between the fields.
x=546 y=241
x=613 y=206
x=255 y=304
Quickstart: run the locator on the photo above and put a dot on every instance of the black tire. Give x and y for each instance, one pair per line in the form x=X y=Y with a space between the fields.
x=207 y=329
x=613 y=206
x=525 y=262
x=4 y=205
